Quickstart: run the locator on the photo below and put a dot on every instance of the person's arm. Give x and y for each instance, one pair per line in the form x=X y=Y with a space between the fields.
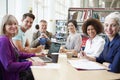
x=48 y=35
x=115 y=65
x=19 y=46
x=34 y=50
x=83 y=55
x=76 y=46
x=35 y=40
x=78 y=43
x=7 y=58
x=27 y=44
x=98 y=48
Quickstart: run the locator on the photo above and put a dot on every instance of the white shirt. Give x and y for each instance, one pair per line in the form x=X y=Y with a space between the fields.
x=94 y=47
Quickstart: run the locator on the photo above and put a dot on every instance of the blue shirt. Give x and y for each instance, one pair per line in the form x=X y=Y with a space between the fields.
x=111 y=54
x=20 y=36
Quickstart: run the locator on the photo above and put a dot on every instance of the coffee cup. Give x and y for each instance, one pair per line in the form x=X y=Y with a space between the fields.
x=69 y=54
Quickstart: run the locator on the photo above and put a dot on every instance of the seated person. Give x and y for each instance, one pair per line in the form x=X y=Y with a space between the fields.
x=10 y=66
x=95 y=44
x=74 y=39
x=39 y=34
x=110 y=56
x=20 y=40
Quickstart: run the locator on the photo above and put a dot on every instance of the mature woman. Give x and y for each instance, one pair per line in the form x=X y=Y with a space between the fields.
x=9 y=54
x=110 y=56
x=74 y=39
x=95 y=43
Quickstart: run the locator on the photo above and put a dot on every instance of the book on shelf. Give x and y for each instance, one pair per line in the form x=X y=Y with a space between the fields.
x=81 y=16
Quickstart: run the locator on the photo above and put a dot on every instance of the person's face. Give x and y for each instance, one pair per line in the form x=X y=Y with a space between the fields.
x=111 y=27
x=11 y=29
x=71 y=27
x=43 y=26
x=27 y=22
x=91 y=31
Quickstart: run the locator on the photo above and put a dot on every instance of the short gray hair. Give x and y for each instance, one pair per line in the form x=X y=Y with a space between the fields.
x=115 y=16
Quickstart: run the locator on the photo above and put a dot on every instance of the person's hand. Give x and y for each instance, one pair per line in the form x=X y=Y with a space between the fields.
x=43 y=35
x=82 y=54
x=39 y=54
x=39 y=48
x=62 y=50
x=38 y=63
x=106 y=64
x=74 y=53
x=27 y=49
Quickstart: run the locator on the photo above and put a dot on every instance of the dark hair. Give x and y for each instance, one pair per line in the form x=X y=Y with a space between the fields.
x=37 y=26
x=29 y=15
x=74 y=23
x=95 y=23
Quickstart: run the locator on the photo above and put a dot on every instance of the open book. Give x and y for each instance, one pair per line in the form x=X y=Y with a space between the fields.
x=83 y=64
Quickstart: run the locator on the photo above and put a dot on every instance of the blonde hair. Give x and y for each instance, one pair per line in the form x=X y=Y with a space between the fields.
x=7 y=19
x=115 y=16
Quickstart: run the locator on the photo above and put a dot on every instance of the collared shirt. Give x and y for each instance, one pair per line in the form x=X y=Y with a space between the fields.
x=95 y=46
x=111 y=54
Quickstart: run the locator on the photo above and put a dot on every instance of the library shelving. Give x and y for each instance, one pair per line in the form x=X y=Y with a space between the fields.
x=81 y=14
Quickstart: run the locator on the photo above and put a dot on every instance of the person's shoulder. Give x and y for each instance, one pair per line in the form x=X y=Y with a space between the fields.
x=37 y=33
x=4 y=38
x=99 y=37
x=49 y=33
x=78 y=34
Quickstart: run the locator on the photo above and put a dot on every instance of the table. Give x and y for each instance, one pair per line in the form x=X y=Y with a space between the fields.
x=67 y=72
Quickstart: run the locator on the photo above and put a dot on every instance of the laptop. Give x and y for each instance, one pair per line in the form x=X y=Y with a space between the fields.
x=54 y=48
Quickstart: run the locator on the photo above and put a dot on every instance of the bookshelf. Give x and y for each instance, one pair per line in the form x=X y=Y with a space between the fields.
x=61 y=29
x=81 y=14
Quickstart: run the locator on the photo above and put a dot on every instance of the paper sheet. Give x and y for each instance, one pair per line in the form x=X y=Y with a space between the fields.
x=85 y=64
x=50 y=65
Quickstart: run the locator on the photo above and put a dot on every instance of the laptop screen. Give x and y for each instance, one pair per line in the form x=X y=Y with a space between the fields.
x=54 y=48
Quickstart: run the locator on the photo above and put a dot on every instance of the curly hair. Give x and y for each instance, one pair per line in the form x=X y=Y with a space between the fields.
x=95 y=23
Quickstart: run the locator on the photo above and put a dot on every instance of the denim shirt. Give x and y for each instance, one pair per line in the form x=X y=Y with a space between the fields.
x=111 y=54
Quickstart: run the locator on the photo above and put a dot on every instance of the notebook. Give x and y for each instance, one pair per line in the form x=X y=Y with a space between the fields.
x=54 y=48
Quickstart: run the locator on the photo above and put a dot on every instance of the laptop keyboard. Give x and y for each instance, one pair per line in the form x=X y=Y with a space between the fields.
x=46 y=59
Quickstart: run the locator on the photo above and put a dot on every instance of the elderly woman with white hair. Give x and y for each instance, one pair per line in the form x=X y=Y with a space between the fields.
x=110 y=56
